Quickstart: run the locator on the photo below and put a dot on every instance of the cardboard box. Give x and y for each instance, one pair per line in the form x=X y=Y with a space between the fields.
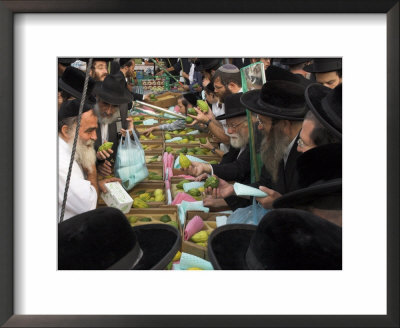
x=167 y=99
x=156 y=168
x=152 y=145
x=150 y=187
x=117 y=197
x=155 y=214
x=209 y=225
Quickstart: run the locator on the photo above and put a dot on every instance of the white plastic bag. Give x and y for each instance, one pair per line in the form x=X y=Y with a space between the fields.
x=247 y=215
x=130 y=163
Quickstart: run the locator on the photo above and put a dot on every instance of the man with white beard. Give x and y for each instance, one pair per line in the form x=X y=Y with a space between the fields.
x=111 y=108
x=83 y=186
x=279 y=108
x=235 y=164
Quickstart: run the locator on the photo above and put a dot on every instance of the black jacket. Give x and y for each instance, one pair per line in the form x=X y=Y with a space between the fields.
x=234 y=168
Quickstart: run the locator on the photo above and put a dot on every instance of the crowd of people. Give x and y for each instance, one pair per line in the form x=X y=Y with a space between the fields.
x=295 y=128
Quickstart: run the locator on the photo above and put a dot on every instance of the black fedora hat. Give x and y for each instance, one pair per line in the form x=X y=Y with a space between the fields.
x=320 y=177
x=103 y=239
x=323 y=65
x=113 y=89
x=123 y=61
x=273 y=73
x=294 y=61
x=70 y=108
x=233 y=107
x=73 y=80
x=285 y=239
x=277 y=99
x=66 y=61
x=206 y=63
x=326 y=104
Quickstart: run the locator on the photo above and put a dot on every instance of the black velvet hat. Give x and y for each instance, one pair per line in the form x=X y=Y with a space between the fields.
x=123 y=61
x=294 y=61
x=191 y=98
x=277 y=99
x=320 y=178
x=206 y=63
x=278 y=73
x=103 y=239
x=326 y=104
x=73 y=80
x=70 y=108
x=113 y=89
x=323 y=65
x=285 y=239
x=233 y=107
x=66 y=61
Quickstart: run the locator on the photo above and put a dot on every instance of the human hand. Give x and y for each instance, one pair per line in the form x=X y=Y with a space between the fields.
x=104 y=168
x=104 y=154
x=200 y=117
x=148 y=131
x=197 y=168
x=214 y=202
x=224 y=190
x=201 y=177
x=207 y=145
x=186 y=87
x=205 y=82
x=101 y=183
x=198 y=89
x=266 y=202
x=130 y=126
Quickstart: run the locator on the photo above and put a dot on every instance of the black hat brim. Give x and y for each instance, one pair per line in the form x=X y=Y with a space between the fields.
x=306 y=195
x=232 y=115
x=314 y=94
x=323 y=67
x=250 y=100
x=67 y=88
x=127 y=96
x=294 y=61
x=209 y=65
x=227 y=246
x=159 y=243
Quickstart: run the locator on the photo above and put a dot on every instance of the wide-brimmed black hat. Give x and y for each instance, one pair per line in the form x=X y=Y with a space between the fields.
x=323 y=65
x=70 y=108
x=326 y=104
x=320 y=179
x=285 y=239
x=277 y=99
x=103 y=239
x=273 y=73
x=86 y=60
x=73 y=80
x=66 y=61
x=123 y=61
x=294 y=61
x=113 y=89
x=233 y=107
x=206 y=63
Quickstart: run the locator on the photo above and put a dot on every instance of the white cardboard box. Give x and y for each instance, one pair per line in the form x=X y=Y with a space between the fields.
x=117 y=197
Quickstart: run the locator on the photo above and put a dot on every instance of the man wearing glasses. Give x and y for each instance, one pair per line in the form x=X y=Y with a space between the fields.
x=235 y=164
x=279 y=109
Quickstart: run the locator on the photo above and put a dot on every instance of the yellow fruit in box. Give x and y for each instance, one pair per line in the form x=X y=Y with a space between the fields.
x=136 y=118
x=143 y=137
x=202 y=244
x=158 y=192
x=152 y=199
x=193 y=268
x=168 y=136
x=200 y=237
x=201 y=189
x=209 y=232
x=177 y=256
x=185 y=140
x=144 y=147
x=152 y=136
x=145 y=196
x=159 y=198
x=138 y=203
x=184 y=161
x=182 y=132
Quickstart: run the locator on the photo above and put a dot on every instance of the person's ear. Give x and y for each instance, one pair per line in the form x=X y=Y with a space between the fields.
x=64 y=131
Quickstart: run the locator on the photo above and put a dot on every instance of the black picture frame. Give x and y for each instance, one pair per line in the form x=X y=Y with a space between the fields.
x=7 y=11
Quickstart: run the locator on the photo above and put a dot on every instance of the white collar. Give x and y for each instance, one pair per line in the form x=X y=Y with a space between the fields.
x=287 y=151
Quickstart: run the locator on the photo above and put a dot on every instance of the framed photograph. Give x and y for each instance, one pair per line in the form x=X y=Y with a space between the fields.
x=253 y=76
x=364 y=294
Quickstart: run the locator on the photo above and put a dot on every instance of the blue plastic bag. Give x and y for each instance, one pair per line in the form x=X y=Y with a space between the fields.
x=248 y=215
x=130 y=164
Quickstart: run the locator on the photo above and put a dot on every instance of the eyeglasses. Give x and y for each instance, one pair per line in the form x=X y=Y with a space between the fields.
x=301 y=143
x=233 y=126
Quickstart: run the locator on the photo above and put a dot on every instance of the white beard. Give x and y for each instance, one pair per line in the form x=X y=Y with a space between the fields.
x=237 y=141
x=106 y=119
x=85 y=155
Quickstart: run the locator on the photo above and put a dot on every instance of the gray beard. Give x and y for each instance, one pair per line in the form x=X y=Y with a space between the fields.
x=85 y=155
x=273 y=148
x=238 y=142
x=104 y=119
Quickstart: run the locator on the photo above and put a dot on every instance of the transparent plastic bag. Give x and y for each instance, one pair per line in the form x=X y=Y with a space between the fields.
x=130 y=164
x=248 y=215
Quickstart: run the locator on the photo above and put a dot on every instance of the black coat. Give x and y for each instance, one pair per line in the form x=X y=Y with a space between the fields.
x=234 y=168
x=287 y=180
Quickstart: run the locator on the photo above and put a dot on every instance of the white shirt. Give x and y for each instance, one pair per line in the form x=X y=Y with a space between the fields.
x=82 y=196
x=191 y=73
